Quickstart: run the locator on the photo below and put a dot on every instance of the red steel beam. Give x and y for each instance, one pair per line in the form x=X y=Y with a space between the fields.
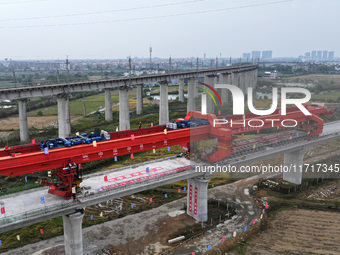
x=24 y=163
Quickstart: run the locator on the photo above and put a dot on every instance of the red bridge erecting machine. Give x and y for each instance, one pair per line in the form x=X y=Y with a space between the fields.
x=26 y=159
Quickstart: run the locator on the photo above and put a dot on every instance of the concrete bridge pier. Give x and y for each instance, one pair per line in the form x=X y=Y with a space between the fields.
x=251 y=78
x=181 y=90
x=73 y=234
x=197 y=198
x=191 y=94
x=254 y=83
x=248 y=81
x=124 y=113
x=293 y=161
x=235 y=79
x=243 y=80
x=163 y=103
x=64 y=122
x=210 y=80
x=108 y=105
x=196 y=89
x=139 y=108
x=225 y=79
x=23 y=124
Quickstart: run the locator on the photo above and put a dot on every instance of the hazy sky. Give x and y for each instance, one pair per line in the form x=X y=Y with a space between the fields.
x=52 y=29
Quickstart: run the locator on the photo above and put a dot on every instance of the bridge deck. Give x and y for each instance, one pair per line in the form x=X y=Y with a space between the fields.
x=62 y=88
x=25 y=208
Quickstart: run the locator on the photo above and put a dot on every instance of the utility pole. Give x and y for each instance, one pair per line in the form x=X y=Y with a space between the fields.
x=169 y=69
x=130 y=70
x=150 y=57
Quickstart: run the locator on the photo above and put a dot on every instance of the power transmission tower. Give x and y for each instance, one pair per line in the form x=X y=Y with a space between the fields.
x=57 y=74
x=14 y=77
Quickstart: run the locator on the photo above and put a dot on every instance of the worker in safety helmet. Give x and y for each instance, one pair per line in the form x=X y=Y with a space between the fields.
x=140 y=125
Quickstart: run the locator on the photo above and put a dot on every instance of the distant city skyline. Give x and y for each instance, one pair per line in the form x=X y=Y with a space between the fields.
x=319 y=55
x=83 y=29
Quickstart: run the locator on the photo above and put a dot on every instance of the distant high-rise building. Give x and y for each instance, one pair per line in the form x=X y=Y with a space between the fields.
x=325 y=54
x=246 y=56
x=313 y=54
x=307 y=55
x=267 y=54
x=256 y=54
x=331 y=55
x=319 y=54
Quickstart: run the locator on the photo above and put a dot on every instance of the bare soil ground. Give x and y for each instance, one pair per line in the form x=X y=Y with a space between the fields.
x=299 y=232
x=160 y=233
x=4 y=134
